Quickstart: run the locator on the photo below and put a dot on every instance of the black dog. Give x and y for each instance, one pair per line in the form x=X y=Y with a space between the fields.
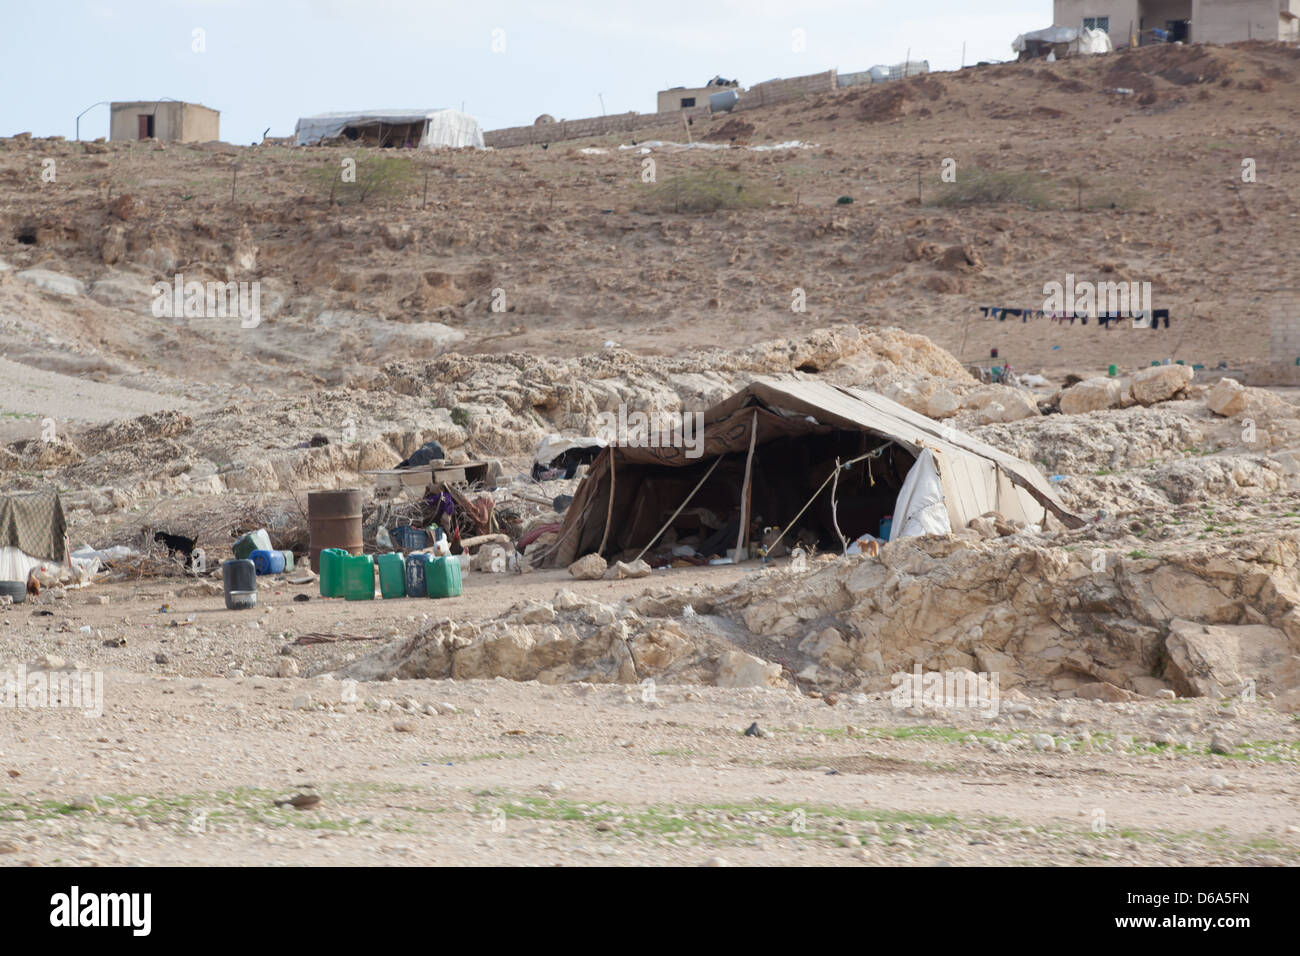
x=175 y=543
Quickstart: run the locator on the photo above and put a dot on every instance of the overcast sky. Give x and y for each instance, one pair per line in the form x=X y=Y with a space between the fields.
x=264 y=63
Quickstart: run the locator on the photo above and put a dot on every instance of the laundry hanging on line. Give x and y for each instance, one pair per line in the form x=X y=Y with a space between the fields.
x=1140 y=319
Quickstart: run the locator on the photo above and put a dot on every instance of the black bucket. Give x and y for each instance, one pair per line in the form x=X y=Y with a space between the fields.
x=240 y=579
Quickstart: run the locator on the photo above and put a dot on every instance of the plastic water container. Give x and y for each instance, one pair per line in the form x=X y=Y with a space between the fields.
x=406 y=538
x=239 y=580
x=358 y=577
x=257 y=540
x=392 y=575
x=331 y=572
x=268 y=562
x=288 y=560
x=886 y=525
x=442 y=578
x=415 y=568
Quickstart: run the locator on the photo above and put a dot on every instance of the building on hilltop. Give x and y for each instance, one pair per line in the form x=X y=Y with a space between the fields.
x=684 y=98
x=167 y=120
x=1191 y=21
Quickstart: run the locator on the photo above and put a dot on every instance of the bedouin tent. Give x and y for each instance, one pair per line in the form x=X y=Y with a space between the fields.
x=766 y=452
x=423 y=129
x=1062 y=41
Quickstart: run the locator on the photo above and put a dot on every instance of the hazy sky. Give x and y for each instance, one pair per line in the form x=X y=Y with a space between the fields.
x=264 y=63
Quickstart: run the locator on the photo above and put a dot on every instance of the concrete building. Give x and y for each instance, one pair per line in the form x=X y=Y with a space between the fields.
x=685 y=98
x=166 y=120
x=1192 y=21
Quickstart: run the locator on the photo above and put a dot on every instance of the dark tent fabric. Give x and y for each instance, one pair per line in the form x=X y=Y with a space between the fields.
x=34 y=523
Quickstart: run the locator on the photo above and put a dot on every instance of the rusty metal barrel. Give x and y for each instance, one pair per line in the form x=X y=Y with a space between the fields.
x=334 y=521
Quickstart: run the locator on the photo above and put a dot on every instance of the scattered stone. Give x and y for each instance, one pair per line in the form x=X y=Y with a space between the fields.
x=637 y=569
x=1219 y=745
x=286 y=667
x=592 y=567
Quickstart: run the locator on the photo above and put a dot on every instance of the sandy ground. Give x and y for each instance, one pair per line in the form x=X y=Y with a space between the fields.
x=29 y=395
x=189 y=757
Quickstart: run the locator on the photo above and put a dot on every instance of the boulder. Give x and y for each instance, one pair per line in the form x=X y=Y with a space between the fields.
x=590 y=567
x=1159 y=383
x=942 y=404
x=54 y=282
x=1203 y=659
x=738 y=669
x=1227 y=397
x=1091 y=395
x=1010 y=406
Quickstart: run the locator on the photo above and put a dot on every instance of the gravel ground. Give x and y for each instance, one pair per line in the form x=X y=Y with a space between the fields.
x=190 y=756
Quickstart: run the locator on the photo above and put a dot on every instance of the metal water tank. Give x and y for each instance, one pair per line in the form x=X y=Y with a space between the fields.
x=723 y=102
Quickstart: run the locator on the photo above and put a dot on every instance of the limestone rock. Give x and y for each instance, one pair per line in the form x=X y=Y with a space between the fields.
x=1091 y=395
x=738 y=669
x=1227 y=397
x=590 y=567
x=1158 y=383
x=637 y=569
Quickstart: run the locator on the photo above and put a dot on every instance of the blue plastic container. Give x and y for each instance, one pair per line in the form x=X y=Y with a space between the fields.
x=415 y=567
x=886 y=525
x=268 y=562
x=406 y=538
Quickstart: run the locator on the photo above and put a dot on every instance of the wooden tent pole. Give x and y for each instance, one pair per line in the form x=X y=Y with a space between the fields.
x=745 y=502
x=609 y=510
x=673 y=517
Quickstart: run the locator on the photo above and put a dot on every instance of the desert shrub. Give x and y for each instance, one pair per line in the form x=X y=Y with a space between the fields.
x=709 y=191
x=377 y=177
x=977 y=187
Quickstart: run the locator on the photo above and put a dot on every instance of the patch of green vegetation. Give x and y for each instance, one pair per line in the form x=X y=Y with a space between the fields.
x=980 y=187
x=710 y=190
x=1139 y=555
x=372 y=177
x=460 y=416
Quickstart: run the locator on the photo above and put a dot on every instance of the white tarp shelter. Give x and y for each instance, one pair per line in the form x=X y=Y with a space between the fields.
x=1076 y=41
x=426 y=129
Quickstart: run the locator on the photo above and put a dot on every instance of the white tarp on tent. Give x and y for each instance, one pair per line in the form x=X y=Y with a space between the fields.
x=920 y=508
x=442 y=128
x=1080 y=41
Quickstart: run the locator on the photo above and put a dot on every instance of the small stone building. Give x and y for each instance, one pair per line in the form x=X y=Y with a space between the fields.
x=165 y=120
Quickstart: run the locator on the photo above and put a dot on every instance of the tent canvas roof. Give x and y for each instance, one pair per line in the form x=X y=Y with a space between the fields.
x=447 y=127
x=976 y=477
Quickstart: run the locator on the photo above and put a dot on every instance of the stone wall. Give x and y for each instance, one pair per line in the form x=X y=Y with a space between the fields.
x=763 y=94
